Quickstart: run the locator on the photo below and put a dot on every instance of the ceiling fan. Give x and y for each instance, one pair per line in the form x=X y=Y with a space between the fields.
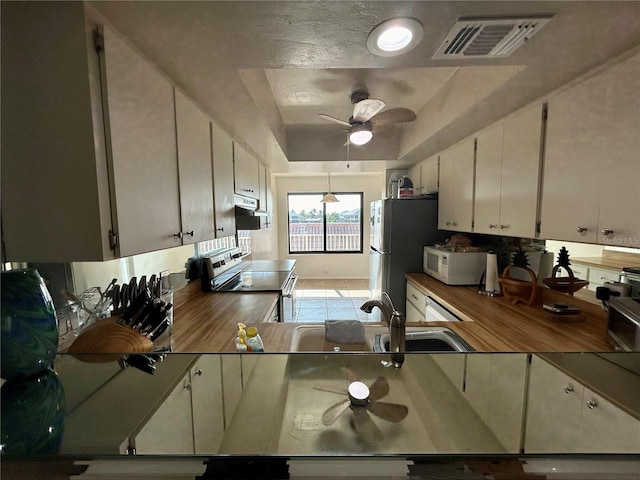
x=368 y=116
x=363 y=400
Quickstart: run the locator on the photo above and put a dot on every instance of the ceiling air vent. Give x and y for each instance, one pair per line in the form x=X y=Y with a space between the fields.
x=488 y=37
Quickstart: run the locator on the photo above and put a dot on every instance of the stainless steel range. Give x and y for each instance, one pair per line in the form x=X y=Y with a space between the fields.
x=225 y=271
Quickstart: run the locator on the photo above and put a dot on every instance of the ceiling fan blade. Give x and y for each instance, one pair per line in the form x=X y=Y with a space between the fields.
x=350 y=375
x=363 y=423
x=366 y=109
x=333 y=412
x=334 y=120
x=324 y=388
x=394 y=115
x=391 y=412
x=379 y=389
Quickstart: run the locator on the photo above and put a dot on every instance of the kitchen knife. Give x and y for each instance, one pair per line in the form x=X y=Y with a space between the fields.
x=115 y=295
x=142 y=362
x=133 y=287
x=136 y=305
x=155 y=316
x=142 y=284
x=159 y=331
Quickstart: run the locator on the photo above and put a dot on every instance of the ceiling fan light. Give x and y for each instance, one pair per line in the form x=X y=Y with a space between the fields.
x=395 y=36
x=360 y=137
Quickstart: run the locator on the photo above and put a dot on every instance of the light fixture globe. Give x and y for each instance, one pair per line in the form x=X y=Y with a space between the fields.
x=360 y=133
x=394 y=36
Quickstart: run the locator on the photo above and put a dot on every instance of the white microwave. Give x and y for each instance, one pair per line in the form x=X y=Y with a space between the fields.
x=454 y=268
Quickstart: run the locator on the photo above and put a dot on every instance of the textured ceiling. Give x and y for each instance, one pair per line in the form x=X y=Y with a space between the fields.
x=264 y=70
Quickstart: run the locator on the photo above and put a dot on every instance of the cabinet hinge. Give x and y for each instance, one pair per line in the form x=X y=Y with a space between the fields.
x=113 y=240
x=98 y=41
x=538 y=227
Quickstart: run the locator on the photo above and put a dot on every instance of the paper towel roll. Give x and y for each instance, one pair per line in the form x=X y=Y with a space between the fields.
x=491 y=277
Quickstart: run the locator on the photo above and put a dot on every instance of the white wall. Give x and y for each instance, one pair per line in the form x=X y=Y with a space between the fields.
x=337 y=265
x=99 y=274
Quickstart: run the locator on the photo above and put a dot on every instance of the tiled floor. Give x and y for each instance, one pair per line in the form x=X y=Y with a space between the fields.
x=320 y=300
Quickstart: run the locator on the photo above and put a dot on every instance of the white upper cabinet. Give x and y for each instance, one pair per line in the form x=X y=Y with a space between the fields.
x=508 y=175
x=55 y=189
x=142 y=153
x=455 y=206
x=429 y=175
x=245 y=167
x=415 y=174
x=424 y=176
x=194 y=167
x=592 y=168
x=97 y=177
x=488 y=179
x=225 y=217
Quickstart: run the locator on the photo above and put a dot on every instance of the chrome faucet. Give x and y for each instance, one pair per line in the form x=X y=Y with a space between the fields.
x=396 y=323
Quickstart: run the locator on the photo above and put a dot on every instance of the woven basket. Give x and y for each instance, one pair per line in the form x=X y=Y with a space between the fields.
x=569 y=284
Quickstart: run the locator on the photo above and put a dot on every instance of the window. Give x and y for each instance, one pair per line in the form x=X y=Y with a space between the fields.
x=316 y=227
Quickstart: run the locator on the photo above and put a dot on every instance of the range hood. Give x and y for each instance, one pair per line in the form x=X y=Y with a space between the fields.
x=248 y=215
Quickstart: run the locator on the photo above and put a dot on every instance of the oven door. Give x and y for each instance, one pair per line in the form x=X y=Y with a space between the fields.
x=288 y=300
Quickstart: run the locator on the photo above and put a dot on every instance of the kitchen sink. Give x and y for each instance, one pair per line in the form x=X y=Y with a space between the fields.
x=311 y=338
x=441 y=340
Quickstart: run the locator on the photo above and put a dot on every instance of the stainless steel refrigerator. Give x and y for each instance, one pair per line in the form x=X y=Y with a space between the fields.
x=400 y=228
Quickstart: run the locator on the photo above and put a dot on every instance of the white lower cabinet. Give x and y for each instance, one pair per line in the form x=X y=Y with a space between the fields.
x=208 y=409
x=415 y=304
x=495 y=387
x=598 y=276
x=170 y=429
x=193 y=418
x=564 y=416
x=231 y=384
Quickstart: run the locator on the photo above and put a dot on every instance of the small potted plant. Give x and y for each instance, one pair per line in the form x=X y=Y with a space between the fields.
x=569 y=284
x=517 y=290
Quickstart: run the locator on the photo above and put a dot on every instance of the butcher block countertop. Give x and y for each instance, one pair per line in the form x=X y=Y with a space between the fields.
x=207 y=322
x=501 y=326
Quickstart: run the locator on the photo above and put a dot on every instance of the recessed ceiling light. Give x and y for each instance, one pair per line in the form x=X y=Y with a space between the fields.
x=394 y=37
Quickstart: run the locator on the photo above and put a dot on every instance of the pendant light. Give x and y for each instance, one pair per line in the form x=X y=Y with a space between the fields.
x=329 y=197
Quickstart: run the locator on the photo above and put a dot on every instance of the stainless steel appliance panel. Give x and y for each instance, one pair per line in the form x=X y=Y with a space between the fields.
x=401 y=228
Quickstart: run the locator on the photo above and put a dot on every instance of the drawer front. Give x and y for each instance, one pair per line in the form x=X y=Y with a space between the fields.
x=598 y=276
x=416 y=297
x=579 y=271
x=412 y=314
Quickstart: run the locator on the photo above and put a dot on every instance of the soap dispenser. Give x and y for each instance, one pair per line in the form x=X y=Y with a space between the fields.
x=241 y=339
x=254 y=342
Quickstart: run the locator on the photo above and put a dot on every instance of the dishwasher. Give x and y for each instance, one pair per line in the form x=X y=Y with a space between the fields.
x=436 y=312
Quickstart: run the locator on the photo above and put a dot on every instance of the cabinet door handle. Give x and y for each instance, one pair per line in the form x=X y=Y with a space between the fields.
x=198 y=372
x=221 y=229
x=581 y=229
x=503 y=227
x=593 y=403
x=414 y=297
x=454 y=224
x=187 y=385
x=448 y=223
x=606 y=231
x=190 y=233
x=568 y=389
x=179 y=235
x=493 y=225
